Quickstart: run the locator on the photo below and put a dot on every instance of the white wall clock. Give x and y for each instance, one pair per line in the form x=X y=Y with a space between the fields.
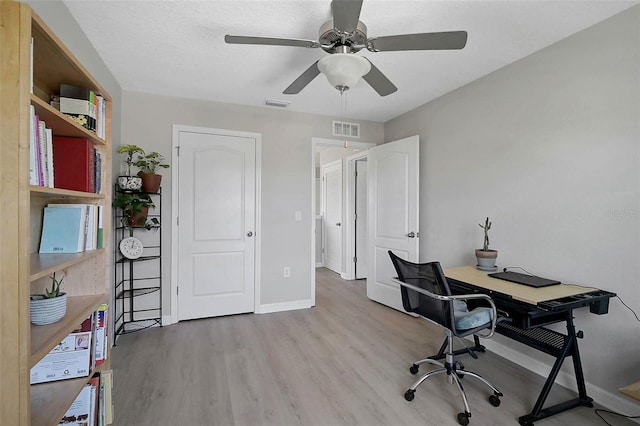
x=131 y=247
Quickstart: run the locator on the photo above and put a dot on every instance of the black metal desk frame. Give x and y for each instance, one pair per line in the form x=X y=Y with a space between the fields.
x=526 y=326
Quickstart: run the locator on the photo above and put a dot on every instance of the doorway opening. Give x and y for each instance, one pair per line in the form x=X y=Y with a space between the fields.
x=325 y=151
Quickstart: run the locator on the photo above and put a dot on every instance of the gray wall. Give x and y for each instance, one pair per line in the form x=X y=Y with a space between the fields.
x=286 y=176
x=549 y=149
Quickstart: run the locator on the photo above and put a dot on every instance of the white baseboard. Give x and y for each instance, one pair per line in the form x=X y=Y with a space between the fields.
x=319 y=264
x=611 y=401
x=166 y=320
x=285 y=306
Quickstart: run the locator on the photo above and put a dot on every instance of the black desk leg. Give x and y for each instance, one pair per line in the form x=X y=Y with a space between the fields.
x=570 y=348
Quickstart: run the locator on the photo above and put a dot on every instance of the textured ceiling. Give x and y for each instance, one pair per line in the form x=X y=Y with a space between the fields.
x=177 y=48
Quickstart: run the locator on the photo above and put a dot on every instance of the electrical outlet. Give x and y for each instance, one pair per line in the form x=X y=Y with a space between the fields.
x=287 y=272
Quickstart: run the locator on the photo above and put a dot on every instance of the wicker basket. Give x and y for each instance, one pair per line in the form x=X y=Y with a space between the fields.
x=47 y=311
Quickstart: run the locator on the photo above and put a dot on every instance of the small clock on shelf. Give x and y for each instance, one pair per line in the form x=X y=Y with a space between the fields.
x=131 y=247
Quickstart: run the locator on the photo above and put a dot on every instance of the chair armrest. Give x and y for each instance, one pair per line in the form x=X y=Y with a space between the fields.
x=451 y=298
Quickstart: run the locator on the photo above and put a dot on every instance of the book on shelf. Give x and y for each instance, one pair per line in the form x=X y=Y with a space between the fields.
x=63 y=230
x=100 y=232
x=101 y=339
x=71 y=358
x=74 y=163
x=90 y=212
x=94 y=412
x=79 y=413
x=33 y=151
x=79 y=103
x=106 y=386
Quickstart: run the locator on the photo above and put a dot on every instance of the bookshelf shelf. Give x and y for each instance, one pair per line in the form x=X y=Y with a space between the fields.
x=64 y=126
x=46 y=337
x=33 y=65
x=63 y=193
x=42 y=265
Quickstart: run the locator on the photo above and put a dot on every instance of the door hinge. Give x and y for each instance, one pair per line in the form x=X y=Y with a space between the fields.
x=177 y=290
x=177 y=220
x=355 y=259
x=178 y=150
x=355 y=173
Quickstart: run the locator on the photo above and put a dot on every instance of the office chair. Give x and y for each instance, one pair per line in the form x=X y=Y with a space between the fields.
x=425 y=292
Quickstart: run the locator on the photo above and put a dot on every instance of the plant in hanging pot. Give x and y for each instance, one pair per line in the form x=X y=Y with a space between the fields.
x=130 y=182
x=485 y=256
x=136 y=209
x=49 y=307
x=149 y=165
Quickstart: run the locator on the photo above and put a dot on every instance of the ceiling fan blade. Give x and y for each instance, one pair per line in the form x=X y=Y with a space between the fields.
x=302 y=81
x=423 y=41
x=346 y=14
x=231 y=39
x=379 y=81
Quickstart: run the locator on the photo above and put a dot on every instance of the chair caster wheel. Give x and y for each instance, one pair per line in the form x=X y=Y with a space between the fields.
x=414 y=369
x=409 y=395
x=494 y=400
x=463 y=418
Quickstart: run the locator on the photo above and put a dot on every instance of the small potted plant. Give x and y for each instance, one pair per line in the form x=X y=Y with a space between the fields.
x=49 y=307
x=130 y=182
x=149 y=165
x=136 y=209
x=485 y=256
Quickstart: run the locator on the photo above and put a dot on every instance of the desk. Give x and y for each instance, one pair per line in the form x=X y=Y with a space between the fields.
x=632 y=390
x=528 y=310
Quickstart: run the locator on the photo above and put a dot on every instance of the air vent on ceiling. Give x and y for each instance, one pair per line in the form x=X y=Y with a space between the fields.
x=341 y=128
x=276 y=103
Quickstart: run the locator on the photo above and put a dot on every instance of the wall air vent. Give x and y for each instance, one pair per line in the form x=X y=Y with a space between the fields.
x=340 y=128
x=276 y=103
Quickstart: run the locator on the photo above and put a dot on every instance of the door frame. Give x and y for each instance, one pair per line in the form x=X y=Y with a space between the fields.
x=349 y=228
x=177 y=128
x=316 y=142
x=323 y=210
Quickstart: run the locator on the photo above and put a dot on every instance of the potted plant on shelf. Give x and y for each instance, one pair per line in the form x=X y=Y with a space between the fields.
x=49 y=307
x=485 y=256
x=149 y=165
x=136 y=209
x=130 y=182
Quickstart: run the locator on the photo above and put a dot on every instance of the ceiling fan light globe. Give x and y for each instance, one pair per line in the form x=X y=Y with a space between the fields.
x=344 y=69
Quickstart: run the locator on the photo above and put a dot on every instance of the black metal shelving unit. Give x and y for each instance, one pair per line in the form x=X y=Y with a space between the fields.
x=138 y=282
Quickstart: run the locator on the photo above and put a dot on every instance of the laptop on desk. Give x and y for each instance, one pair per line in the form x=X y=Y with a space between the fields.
x=529 y=280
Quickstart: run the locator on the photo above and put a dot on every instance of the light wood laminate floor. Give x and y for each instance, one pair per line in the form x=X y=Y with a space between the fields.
x=344 y=362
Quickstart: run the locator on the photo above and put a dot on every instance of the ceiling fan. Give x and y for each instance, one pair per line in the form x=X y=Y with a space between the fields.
x=345 y=35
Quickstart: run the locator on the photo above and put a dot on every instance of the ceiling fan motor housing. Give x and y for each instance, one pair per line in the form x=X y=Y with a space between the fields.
x=330 y=38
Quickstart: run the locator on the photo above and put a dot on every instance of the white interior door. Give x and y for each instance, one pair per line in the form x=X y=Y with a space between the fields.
x=216 y=223
x=393 y=171
x=361 y=231
x=332 y=215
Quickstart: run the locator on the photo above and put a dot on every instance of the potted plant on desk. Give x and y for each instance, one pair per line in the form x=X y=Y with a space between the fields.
x=485 y=256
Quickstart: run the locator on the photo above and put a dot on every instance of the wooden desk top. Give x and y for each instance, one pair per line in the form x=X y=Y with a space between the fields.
x=524 y=293
x=632 y=390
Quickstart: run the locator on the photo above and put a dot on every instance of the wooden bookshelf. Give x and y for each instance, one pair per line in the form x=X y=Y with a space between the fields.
x=22 y=269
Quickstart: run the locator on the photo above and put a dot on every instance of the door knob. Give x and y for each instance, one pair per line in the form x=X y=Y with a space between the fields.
x=411 y=235
x=249 y=234
x=338 y=224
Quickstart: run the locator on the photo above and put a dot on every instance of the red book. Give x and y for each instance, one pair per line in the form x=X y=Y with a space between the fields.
x=73 y=163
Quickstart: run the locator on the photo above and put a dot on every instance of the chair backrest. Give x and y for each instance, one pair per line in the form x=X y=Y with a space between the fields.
x=428 y=276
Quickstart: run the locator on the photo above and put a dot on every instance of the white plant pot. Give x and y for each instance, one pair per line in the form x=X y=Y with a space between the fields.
x=130 y=183
x=486 y=259
x=47 y=311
